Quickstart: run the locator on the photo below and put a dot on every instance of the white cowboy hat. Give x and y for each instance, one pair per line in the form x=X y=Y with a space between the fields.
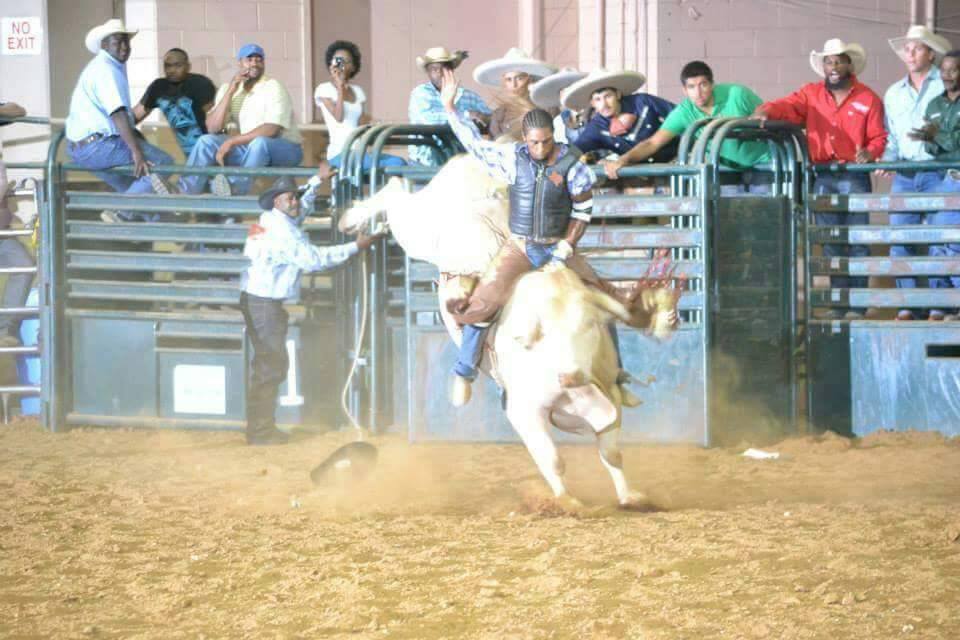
x=920 y=33
x=577 y=95
x=98 y=33
x=546 y=93
x=490 y=72
x=440 y=54
x=836 y=47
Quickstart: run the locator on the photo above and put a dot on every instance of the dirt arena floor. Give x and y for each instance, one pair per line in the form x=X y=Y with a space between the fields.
x=134 y=534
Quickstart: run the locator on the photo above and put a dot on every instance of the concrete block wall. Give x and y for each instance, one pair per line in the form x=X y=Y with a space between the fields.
x=211 y=31
x=766 y=46
x=760 y=43
x=403 y=29
x=561 y=29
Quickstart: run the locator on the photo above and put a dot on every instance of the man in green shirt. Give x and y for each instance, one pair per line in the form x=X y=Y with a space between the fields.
x=704 y=100
x=941 y=138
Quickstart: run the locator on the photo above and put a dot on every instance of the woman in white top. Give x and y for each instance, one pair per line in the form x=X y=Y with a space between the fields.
x=342 y=103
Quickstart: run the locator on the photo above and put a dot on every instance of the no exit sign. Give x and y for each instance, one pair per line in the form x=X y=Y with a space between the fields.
x=21 y=36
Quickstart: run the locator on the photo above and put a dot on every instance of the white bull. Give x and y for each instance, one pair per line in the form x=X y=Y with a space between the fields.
x=553 y=351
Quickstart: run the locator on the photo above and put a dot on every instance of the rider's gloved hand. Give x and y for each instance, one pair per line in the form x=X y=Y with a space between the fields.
x=561 y=252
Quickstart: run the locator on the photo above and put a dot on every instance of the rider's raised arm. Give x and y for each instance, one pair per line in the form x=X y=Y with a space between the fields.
x=499 y=159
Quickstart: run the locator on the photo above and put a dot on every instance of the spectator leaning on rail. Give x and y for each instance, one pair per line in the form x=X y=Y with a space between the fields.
x=941 y=138
x=183 y=97
x=99 y=128
x=341 y=103
x=568 y=124
x=12 y=252
x=704 y=100
x=906 y=103
x=844 y=122
x=621 y=118
x=425 y=106
x=278 y=251
x=261 y=109
x=512 y=75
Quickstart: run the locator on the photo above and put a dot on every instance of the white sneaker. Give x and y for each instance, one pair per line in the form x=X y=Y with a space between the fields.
x=111 y=216
x=220 y=186
x=461 y=391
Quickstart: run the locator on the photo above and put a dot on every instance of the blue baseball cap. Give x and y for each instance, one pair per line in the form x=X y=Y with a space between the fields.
x=248 y=50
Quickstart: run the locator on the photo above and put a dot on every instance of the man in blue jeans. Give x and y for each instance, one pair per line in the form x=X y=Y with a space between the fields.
x=905 y=104
x=941 y=138
x=99 y=127
x=251 y=125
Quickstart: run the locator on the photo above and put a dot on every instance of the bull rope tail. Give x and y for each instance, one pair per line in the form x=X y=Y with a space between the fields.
x=356 y=352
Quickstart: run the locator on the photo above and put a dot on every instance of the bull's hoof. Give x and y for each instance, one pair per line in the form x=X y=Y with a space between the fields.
x=461 y=392
x=638 y=502
x=568 y=504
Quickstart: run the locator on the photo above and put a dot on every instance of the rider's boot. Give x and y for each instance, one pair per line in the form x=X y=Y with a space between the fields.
x=465 y=371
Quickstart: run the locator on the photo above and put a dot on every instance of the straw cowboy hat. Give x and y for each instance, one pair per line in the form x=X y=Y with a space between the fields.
x=98 y=33
x=920 y=33
x=577 y=95
x=836 y=47
x=440 y=54
x=490 y=72
x=546 y=93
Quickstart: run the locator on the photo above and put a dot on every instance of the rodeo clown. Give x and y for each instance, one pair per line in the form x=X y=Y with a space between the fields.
x=278 y=251
x=551 y=200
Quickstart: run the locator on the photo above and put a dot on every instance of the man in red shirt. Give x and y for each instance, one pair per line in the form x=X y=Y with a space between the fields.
x=844 y=123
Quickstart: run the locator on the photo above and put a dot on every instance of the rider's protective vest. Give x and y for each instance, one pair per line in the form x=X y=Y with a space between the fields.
x=540 y=203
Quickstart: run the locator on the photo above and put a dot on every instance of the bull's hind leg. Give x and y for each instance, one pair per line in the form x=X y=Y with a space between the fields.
x=533 y=425
x=608 y=442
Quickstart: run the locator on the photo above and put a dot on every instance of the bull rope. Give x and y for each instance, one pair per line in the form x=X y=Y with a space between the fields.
x=356 y=352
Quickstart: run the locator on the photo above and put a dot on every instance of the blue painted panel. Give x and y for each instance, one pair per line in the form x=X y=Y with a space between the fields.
x=896 y=385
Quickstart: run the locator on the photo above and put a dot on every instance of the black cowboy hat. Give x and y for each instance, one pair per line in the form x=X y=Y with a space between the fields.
x=282 y=185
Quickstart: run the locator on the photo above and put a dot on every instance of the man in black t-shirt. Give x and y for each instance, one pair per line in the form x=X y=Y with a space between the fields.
x=183 y=97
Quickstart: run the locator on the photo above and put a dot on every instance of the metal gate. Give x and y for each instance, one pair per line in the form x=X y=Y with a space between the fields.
x=878 y=373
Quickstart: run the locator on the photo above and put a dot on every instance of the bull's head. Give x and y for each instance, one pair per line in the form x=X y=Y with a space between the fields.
x=654 y=299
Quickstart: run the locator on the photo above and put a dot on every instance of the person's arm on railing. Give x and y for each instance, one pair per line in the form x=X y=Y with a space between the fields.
x=876 y=135
x=792 y=108
x=11 y=110
x=121 y=120
x=639 y=153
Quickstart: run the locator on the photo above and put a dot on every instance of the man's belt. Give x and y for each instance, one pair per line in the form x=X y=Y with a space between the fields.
x=93 y=137
x=522 y=241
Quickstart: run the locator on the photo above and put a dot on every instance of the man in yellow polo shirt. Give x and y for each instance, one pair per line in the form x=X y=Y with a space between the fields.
x=704 y=100
x=251 y=125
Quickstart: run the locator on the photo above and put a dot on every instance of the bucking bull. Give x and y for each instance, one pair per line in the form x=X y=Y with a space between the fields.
x=552 y=351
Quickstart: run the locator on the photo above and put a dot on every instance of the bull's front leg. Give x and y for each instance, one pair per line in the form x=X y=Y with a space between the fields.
x=608 y=442
x=533 y=425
